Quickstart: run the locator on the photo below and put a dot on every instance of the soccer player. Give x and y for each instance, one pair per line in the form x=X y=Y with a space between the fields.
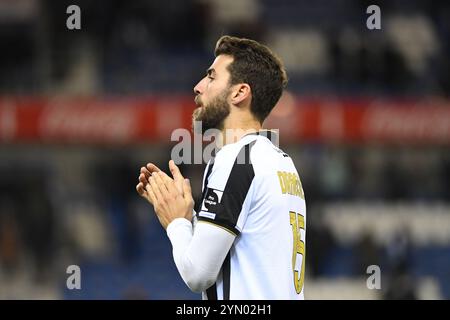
x=246 y=237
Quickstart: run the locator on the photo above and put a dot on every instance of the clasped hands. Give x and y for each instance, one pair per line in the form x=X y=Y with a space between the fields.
x=170 y=197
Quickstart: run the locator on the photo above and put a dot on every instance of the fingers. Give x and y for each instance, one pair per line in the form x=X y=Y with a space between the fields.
x=151 y=195
x=154 y=187
x=140 y=189
x=144 y=176
x=143 y=179
x=165 y=184
x=152 y=168
x=145 y=172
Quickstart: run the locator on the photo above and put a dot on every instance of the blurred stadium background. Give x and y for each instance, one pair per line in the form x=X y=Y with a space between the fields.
x=366 y=118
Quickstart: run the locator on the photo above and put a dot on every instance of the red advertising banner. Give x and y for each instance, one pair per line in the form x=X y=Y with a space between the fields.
x=117 y=120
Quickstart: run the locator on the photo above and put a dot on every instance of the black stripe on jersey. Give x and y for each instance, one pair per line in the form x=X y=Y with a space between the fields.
x=198 y=204
x=211 y=292
x=226 y=275
x=236 y=189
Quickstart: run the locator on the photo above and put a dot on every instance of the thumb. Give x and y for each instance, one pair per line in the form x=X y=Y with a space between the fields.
x=176 y=174
x=177 y=177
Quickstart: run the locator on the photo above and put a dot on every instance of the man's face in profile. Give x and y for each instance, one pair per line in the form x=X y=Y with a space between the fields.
x=212 y=95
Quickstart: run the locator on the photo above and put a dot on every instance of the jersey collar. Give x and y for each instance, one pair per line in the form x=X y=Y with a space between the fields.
x=269 y=134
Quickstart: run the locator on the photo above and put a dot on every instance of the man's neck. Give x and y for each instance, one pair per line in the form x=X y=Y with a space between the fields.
x=235 y=128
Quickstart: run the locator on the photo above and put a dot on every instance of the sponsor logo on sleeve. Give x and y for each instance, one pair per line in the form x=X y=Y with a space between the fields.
x=211 y=203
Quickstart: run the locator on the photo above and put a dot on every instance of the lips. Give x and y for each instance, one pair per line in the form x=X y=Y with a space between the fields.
x=198 y=102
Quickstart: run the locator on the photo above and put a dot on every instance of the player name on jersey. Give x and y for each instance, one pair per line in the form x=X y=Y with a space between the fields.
x=290 y=183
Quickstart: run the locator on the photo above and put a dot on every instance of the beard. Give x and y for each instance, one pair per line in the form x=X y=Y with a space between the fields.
x=212 y=115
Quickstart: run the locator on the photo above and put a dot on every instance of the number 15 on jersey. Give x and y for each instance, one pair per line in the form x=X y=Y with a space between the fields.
x=297 y=223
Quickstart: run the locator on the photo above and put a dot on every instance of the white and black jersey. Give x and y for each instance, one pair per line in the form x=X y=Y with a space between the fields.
x=252 y=189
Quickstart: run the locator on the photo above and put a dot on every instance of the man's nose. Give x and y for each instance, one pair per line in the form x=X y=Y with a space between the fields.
x=198 y=89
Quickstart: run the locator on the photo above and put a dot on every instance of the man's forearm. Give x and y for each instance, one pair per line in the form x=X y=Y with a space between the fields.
x=198 y=257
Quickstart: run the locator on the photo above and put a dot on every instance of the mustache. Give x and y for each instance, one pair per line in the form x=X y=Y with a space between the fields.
x=198 y=101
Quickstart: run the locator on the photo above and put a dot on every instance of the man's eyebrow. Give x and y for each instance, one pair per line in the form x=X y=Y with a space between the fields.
x=210 y=71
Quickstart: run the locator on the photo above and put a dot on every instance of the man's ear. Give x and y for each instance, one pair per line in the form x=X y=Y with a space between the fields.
x=240 y=92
